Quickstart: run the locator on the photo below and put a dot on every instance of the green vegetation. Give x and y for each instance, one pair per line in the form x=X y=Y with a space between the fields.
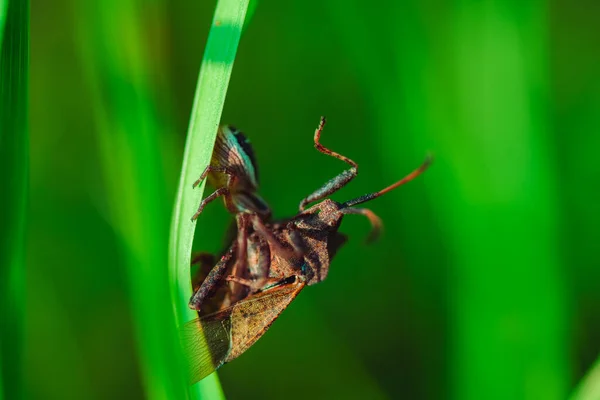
x=213 y=82
x=484 y=285
x=14 y=164
x=589 y=387
x=127 y=133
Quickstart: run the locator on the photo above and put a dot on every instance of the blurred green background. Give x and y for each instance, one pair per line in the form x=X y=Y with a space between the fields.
x=486 y=282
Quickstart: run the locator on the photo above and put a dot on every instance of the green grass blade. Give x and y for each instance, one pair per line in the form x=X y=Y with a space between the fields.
x=128 y=129
x=509 y=323
x=3 y=10
x=14 y=128
x=486 y=119
x=589 y=387
x=209 y=99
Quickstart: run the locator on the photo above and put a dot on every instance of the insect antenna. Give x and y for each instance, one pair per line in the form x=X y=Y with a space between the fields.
x=406 y=179
x=376 y=223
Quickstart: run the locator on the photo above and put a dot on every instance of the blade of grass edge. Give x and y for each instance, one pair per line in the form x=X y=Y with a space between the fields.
x=3 y=9
x=589 y=387
x=215 y=72
x=14 y=62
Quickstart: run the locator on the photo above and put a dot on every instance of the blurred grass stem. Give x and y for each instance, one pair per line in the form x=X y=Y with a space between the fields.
x=14 y=167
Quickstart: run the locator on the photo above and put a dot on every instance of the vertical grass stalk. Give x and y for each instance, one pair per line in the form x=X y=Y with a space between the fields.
x=509 y=294
x=128 y=126
x=14 y=132
x=486 y=119
x=209 y=99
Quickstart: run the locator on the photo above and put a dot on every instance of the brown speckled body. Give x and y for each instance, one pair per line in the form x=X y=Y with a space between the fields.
x=313 y=234
x=276 y=262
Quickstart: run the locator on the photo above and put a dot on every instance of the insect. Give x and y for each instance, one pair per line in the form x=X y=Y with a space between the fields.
x=291 y=255
x=233 y=172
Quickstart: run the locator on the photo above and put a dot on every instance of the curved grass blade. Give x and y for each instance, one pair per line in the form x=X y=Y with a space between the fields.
x=14 y=82
x=209 y=99
x=589 y=387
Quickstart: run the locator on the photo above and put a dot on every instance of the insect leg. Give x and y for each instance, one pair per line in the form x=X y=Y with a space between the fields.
x=259 y=265
x=217 y=193
x=294 y=237
x=376 y=224
x=212 y=280
x=242 y=240
x=205 y=262
x=241 y=281
x=259 y=256
x=212 y=168
x=337 y=182
x=279 y=249
x=240 y=267
x=254 y=286
x=231 y=179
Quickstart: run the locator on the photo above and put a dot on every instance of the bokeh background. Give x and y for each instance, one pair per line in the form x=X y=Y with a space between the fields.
x=486 y=282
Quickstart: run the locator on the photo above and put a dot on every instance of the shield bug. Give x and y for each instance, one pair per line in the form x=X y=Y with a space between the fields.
x=282 y=259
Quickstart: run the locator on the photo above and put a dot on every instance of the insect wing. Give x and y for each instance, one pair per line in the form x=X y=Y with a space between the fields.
x=253 y=316
x=210 y=341
x=233 y=150
x=206 y=343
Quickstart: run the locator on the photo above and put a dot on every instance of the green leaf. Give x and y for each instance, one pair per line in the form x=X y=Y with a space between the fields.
x=211 y=90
